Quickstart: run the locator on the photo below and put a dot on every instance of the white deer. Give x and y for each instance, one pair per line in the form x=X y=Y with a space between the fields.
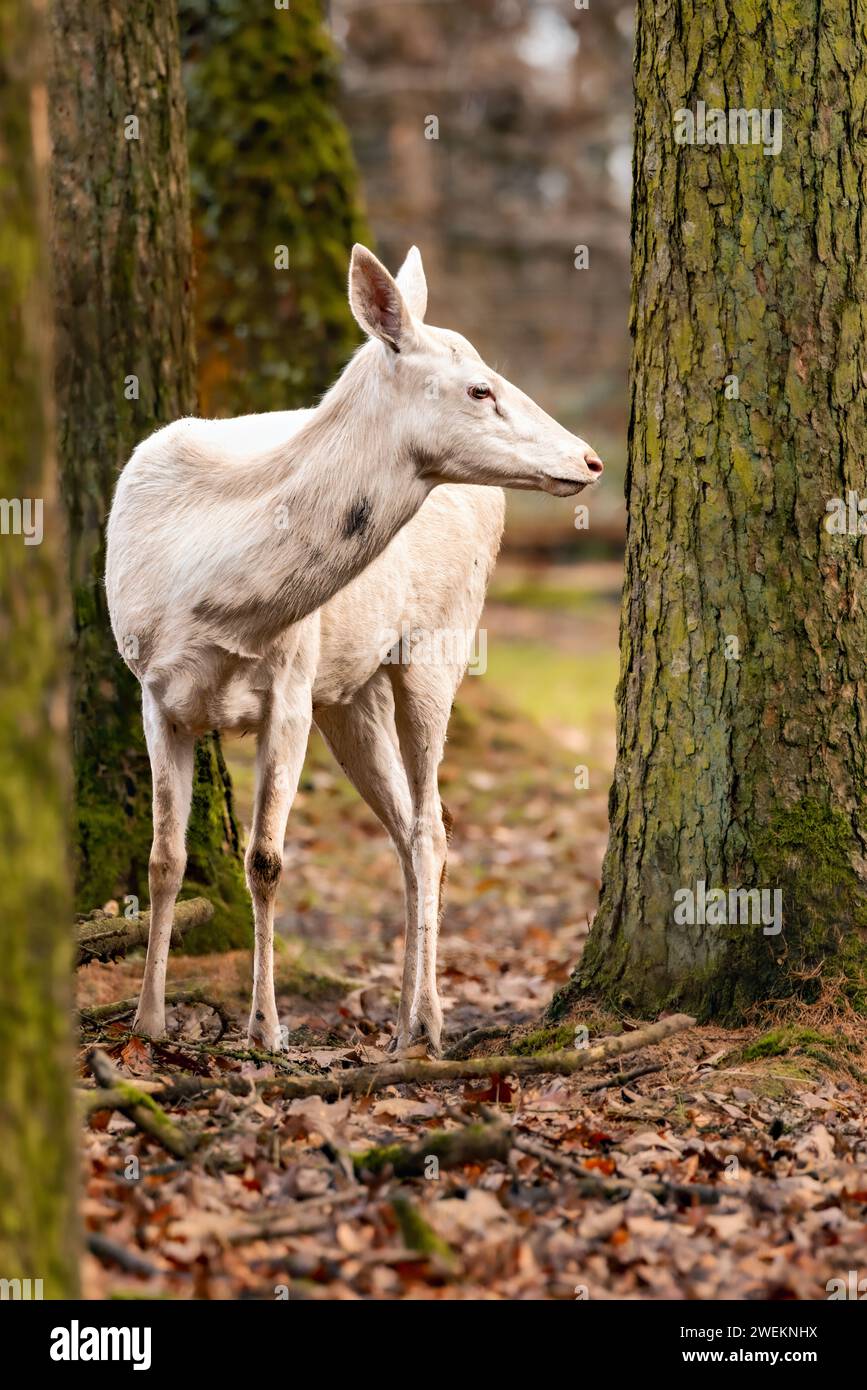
x=258 y=568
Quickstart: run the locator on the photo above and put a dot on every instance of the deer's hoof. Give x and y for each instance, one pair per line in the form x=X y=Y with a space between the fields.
x=416 y=1042
x=267 y=1037
x=152 y=1026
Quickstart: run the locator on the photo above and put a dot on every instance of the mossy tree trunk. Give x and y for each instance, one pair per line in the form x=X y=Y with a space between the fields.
x=742 y=760
x=125 y=365
x=275 y=203
x=38 y=1154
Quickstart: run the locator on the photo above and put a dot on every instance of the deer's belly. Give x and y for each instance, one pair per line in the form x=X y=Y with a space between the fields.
x=346 y=666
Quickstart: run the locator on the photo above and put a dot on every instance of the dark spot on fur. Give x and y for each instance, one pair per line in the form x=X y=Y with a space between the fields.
x=357 y=518
x=265 y=867
x=259 y=1016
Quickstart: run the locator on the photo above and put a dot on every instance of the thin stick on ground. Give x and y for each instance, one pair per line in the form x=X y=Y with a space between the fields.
x=464 y=1045
x=128 y=1260
x=592 y=1185
x=304 y=1218
x=622 y=1078
x=140 y=1107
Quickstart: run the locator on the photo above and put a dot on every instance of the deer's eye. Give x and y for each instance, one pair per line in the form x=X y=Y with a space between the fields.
x=479 y=391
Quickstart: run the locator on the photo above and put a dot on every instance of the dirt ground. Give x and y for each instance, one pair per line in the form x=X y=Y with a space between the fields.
x=715 y=1164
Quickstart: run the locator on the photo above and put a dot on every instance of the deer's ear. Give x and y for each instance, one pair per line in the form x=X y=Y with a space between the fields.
x=377 y=303
x=412 y=283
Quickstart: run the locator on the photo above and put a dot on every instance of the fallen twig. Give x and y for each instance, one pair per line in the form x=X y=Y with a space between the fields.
x=419 y=1235
x=139 y=1106
x=593 y=1185
x=473 y=1144
x=623 y=1078
x=107 y=1013
x=90 y=1102
x=101 y=937
x=278 y=1224
x=464 y=1046
x=110 y=1252
x=365 y=1080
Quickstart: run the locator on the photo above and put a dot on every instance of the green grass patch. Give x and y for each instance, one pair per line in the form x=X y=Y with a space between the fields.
x=551 y=1039
x=780 y=1041
x=553 y=686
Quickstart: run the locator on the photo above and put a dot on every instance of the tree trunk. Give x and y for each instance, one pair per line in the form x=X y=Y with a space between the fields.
x=741 y=753
x=125 y=365
x=38 y=1153
x=275 y=204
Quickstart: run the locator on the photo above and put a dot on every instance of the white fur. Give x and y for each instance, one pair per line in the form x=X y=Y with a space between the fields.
x=258 y=568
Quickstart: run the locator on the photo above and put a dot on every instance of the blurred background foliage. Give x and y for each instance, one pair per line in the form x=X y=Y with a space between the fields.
x=271 y=167
x=532 y=101
x=310 y=127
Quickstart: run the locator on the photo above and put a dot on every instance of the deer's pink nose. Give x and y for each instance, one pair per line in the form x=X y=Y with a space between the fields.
x=594 y=462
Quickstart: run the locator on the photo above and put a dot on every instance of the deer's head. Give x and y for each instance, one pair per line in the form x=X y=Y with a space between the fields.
x=460 y=420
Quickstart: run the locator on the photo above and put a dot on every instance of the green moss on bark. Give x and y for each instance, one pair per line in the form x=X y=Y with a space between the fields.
x=272 y=167
x=38 y=1160
x=125 y=365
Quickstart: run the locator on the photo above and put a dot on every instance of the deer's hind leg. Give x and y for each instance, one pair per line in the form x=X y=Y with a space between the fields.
x=279 y=758
x=389 y=742
x=423 y=695
x=171 y=758
x=363 y=739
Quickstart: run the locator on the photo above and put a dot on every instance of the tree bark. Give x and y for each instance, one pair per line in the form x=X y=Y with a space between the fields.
x=38 y=1154
x=275 y=203
x=741 y=752
x=125 y=365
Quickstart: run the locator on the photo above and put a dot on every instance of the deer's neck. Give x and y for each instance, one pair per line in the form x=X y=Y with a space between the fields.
x=342 y=489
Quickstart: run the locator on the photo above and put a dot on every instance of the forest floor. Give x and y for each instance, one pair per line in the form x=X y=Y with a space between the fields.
x=588 y=1196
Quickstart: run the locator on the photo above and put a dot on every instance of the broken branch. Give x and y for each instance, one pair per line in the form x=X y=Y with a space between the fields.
x=107 y=1013
x=365 y=1080
x=472 y=1144
x=101 y=937
x=139 y=1107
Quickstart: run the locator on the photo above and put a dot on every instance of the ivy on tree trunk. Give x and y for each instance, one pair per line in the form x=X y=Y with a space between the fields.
x=741 y=756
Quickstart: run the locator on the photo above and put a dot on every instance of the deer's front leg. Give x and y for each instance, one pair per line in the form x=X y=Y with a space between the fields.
x=429 y=861
x=423 y=698
x=279 y=759
x=171 y=757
